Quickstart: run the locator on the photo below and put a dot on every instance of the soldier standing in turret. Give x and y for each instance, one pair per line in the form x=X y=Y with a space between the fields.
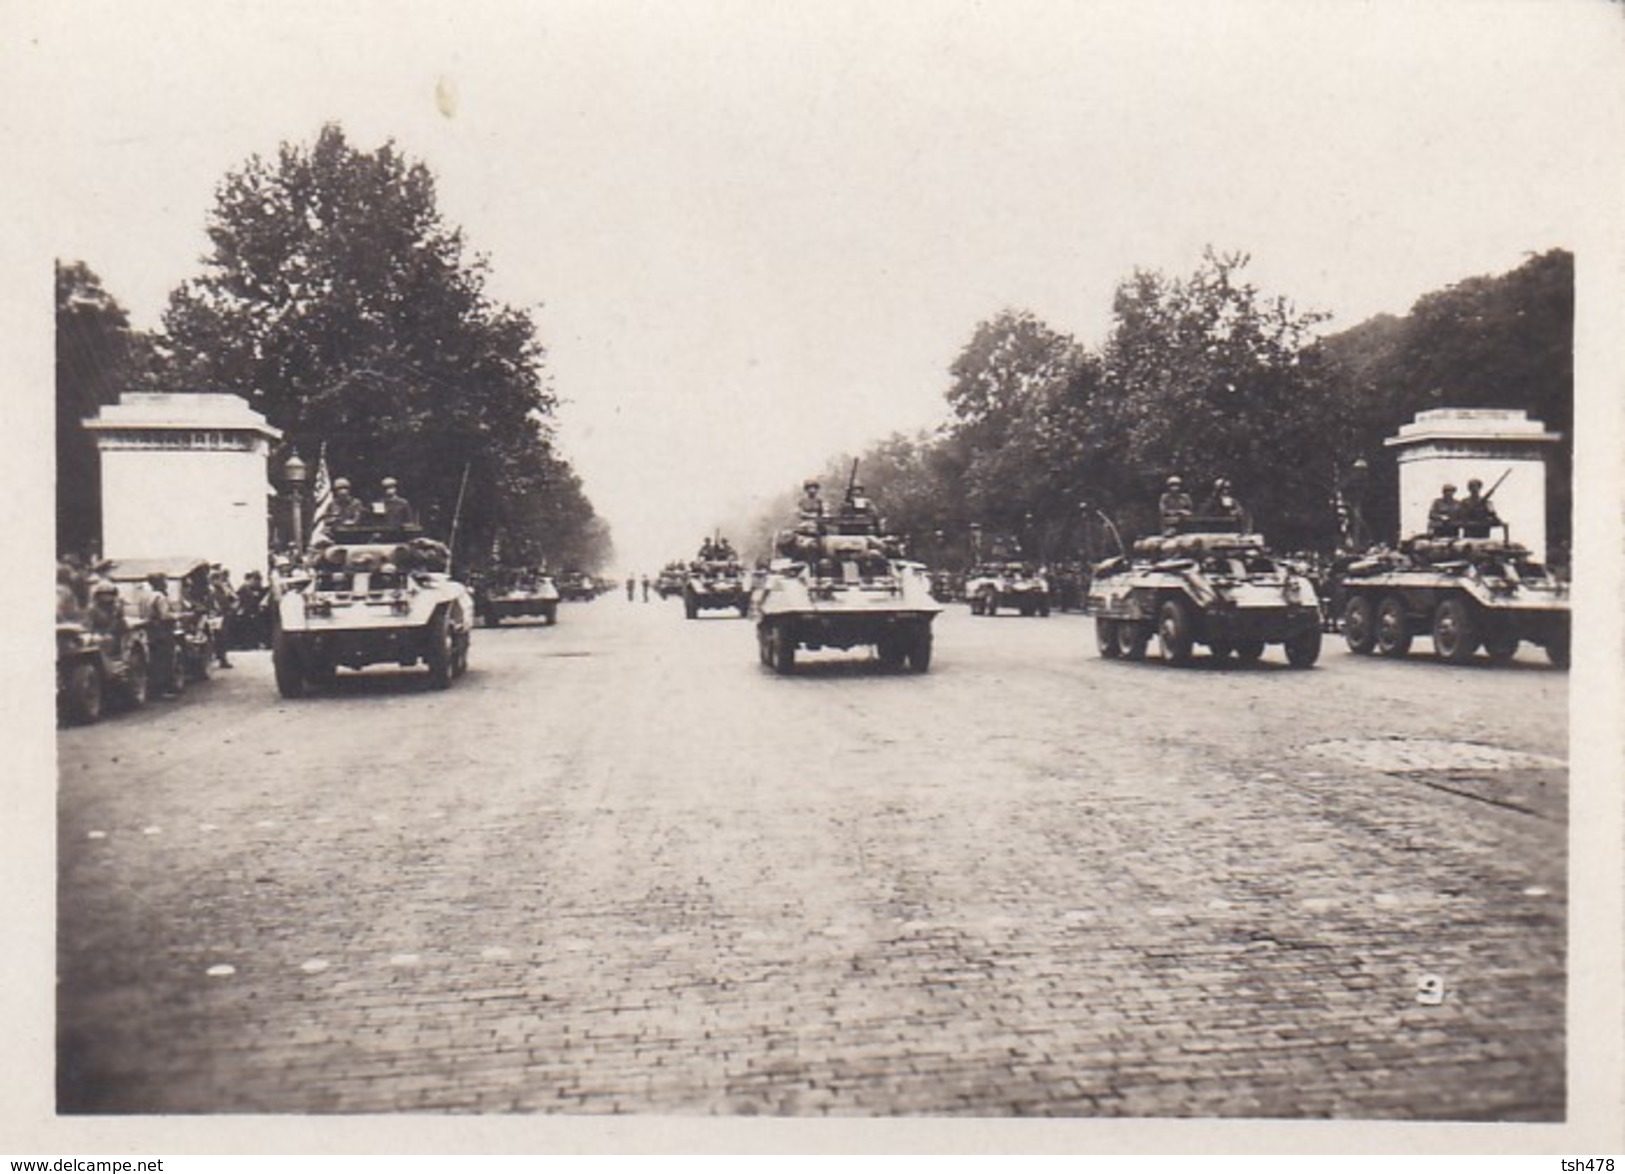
x=811 y=505
x=1444 y=515
x=1174 y=506
x=1477 y=514
x=393 y=509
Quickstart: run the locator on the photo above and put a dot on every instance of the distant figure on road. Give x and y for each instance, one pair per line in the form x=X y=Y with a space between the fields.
x=1444 y=515
x=392 y=509
x=645 y=583
x=631 y=587
x=1174 y=506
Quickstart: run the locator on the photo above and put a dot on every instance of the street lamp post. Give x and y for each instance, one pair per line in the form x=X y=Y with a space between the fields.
x=293 y=479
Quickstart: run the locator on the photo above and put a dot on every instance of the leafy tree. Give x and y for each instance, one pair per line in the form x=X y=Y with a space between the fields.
x=1207 y=377
x=1504 y=341
x=97 y=357
x=340 y=303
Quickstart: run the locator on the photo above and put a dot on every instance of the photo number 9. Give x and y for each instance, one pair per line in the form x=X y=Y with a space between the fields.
x=1430 y=990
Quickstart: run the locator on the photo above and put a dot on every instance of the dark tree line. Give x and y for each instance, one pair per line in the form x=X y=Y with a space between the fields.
x=1206 y=376
x=341 y=305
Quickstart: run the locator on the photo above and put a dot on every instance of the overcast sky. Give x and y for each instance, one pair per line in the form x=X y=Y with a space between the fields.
x=755 y=235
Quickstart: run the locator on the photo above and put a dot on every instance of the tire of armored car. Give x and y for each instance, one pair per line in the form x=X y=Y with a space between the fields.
x=1132 y=639
x=1249 y=651
x=1455 y=632
x=1303 y=649
x=438 y=652
x=1393 y=634
x=919 y=650
x=1174 y=633
x=1360 y=625
x=1106 y=638
x=286 y=663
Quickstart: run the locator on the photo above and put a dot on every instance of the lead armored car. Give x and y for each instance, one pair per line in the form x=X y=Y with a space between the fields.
x=1211 y=584
x=839 y=583
x=1465 y=593
x=374 y=595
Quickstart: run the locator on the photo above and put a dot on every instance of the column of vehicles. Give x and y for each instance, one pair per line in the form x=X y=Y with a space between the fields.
x=374 y=594
x=148 y=630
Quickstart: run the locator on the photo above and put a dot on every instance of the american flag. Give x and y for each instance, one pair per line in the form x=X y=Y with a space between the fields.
x=322 y=492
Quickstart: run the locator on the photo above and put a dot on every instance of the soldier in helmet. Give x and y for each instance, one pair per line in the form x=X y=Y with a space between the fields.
x=811 y=505
x=1477 y=514
x=1174 y=506
x=1225 y=505
x=345 y=509
x=106 y=614
x=392 y=509
x=1444 y=515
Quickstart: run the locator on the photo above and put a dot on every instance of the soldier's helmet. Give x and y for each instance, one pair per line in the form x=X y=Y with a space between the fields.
x=389 y=483
x=1174 y=483
x=103 y=588
x=342 y=483
x=1448 y=488
x=1474 y=485
x=809 y=484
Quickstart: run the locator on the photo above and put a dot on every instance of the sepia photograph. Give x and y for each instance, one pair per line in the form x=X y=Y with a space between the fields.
x=1038 y=576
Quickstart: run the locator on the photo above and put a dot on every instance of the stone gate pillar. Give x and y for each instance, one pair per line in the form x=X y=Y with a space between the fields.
x=185 y=474
x=1455 y=445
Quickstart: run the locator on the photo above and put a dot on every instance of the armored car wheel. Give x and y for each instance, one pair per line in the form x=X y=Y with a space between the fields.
x=1501 y=649
x=1132 y=639
x=1557 y=651
x=82 y=699
x=1174 y=632
x=782 y=650
x=1303 y=649
x=1393 y=635
x=437 y=653
x=1455 y=636
x=1360 y=625
x=919 y=651
x=1221 y=650
x=285 y=658
x=691 y=607
x=1106 y=638
x=1043 y=608
x=892 y=651
x=550 y=613
x=320 y=671
x=1248 y=651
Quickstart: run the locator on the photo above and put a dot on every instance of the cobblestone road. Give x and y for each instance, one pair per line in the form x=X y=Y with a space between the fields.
x=620 y=867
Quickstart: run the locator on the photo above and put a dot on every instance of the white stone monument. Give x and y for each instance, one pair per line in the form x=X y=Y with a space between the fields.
x=184 y=474
x=1456 y=445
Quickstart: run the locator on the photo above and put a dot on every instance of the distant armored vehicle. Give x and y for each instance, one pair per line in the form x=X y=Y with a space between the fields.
x=839 y=583
x=1007 y=584
x=513 y=594
x=671 y=579
x=577 y=586
x=1463 y=592
x=377 y=594
x=1207 y=584
x=714 y=585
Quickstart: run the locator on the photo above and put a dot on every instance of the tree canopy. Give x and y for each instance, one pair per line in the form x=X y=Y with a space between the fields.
x=1206 y=376
x=97 y=357
x=340 y=303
